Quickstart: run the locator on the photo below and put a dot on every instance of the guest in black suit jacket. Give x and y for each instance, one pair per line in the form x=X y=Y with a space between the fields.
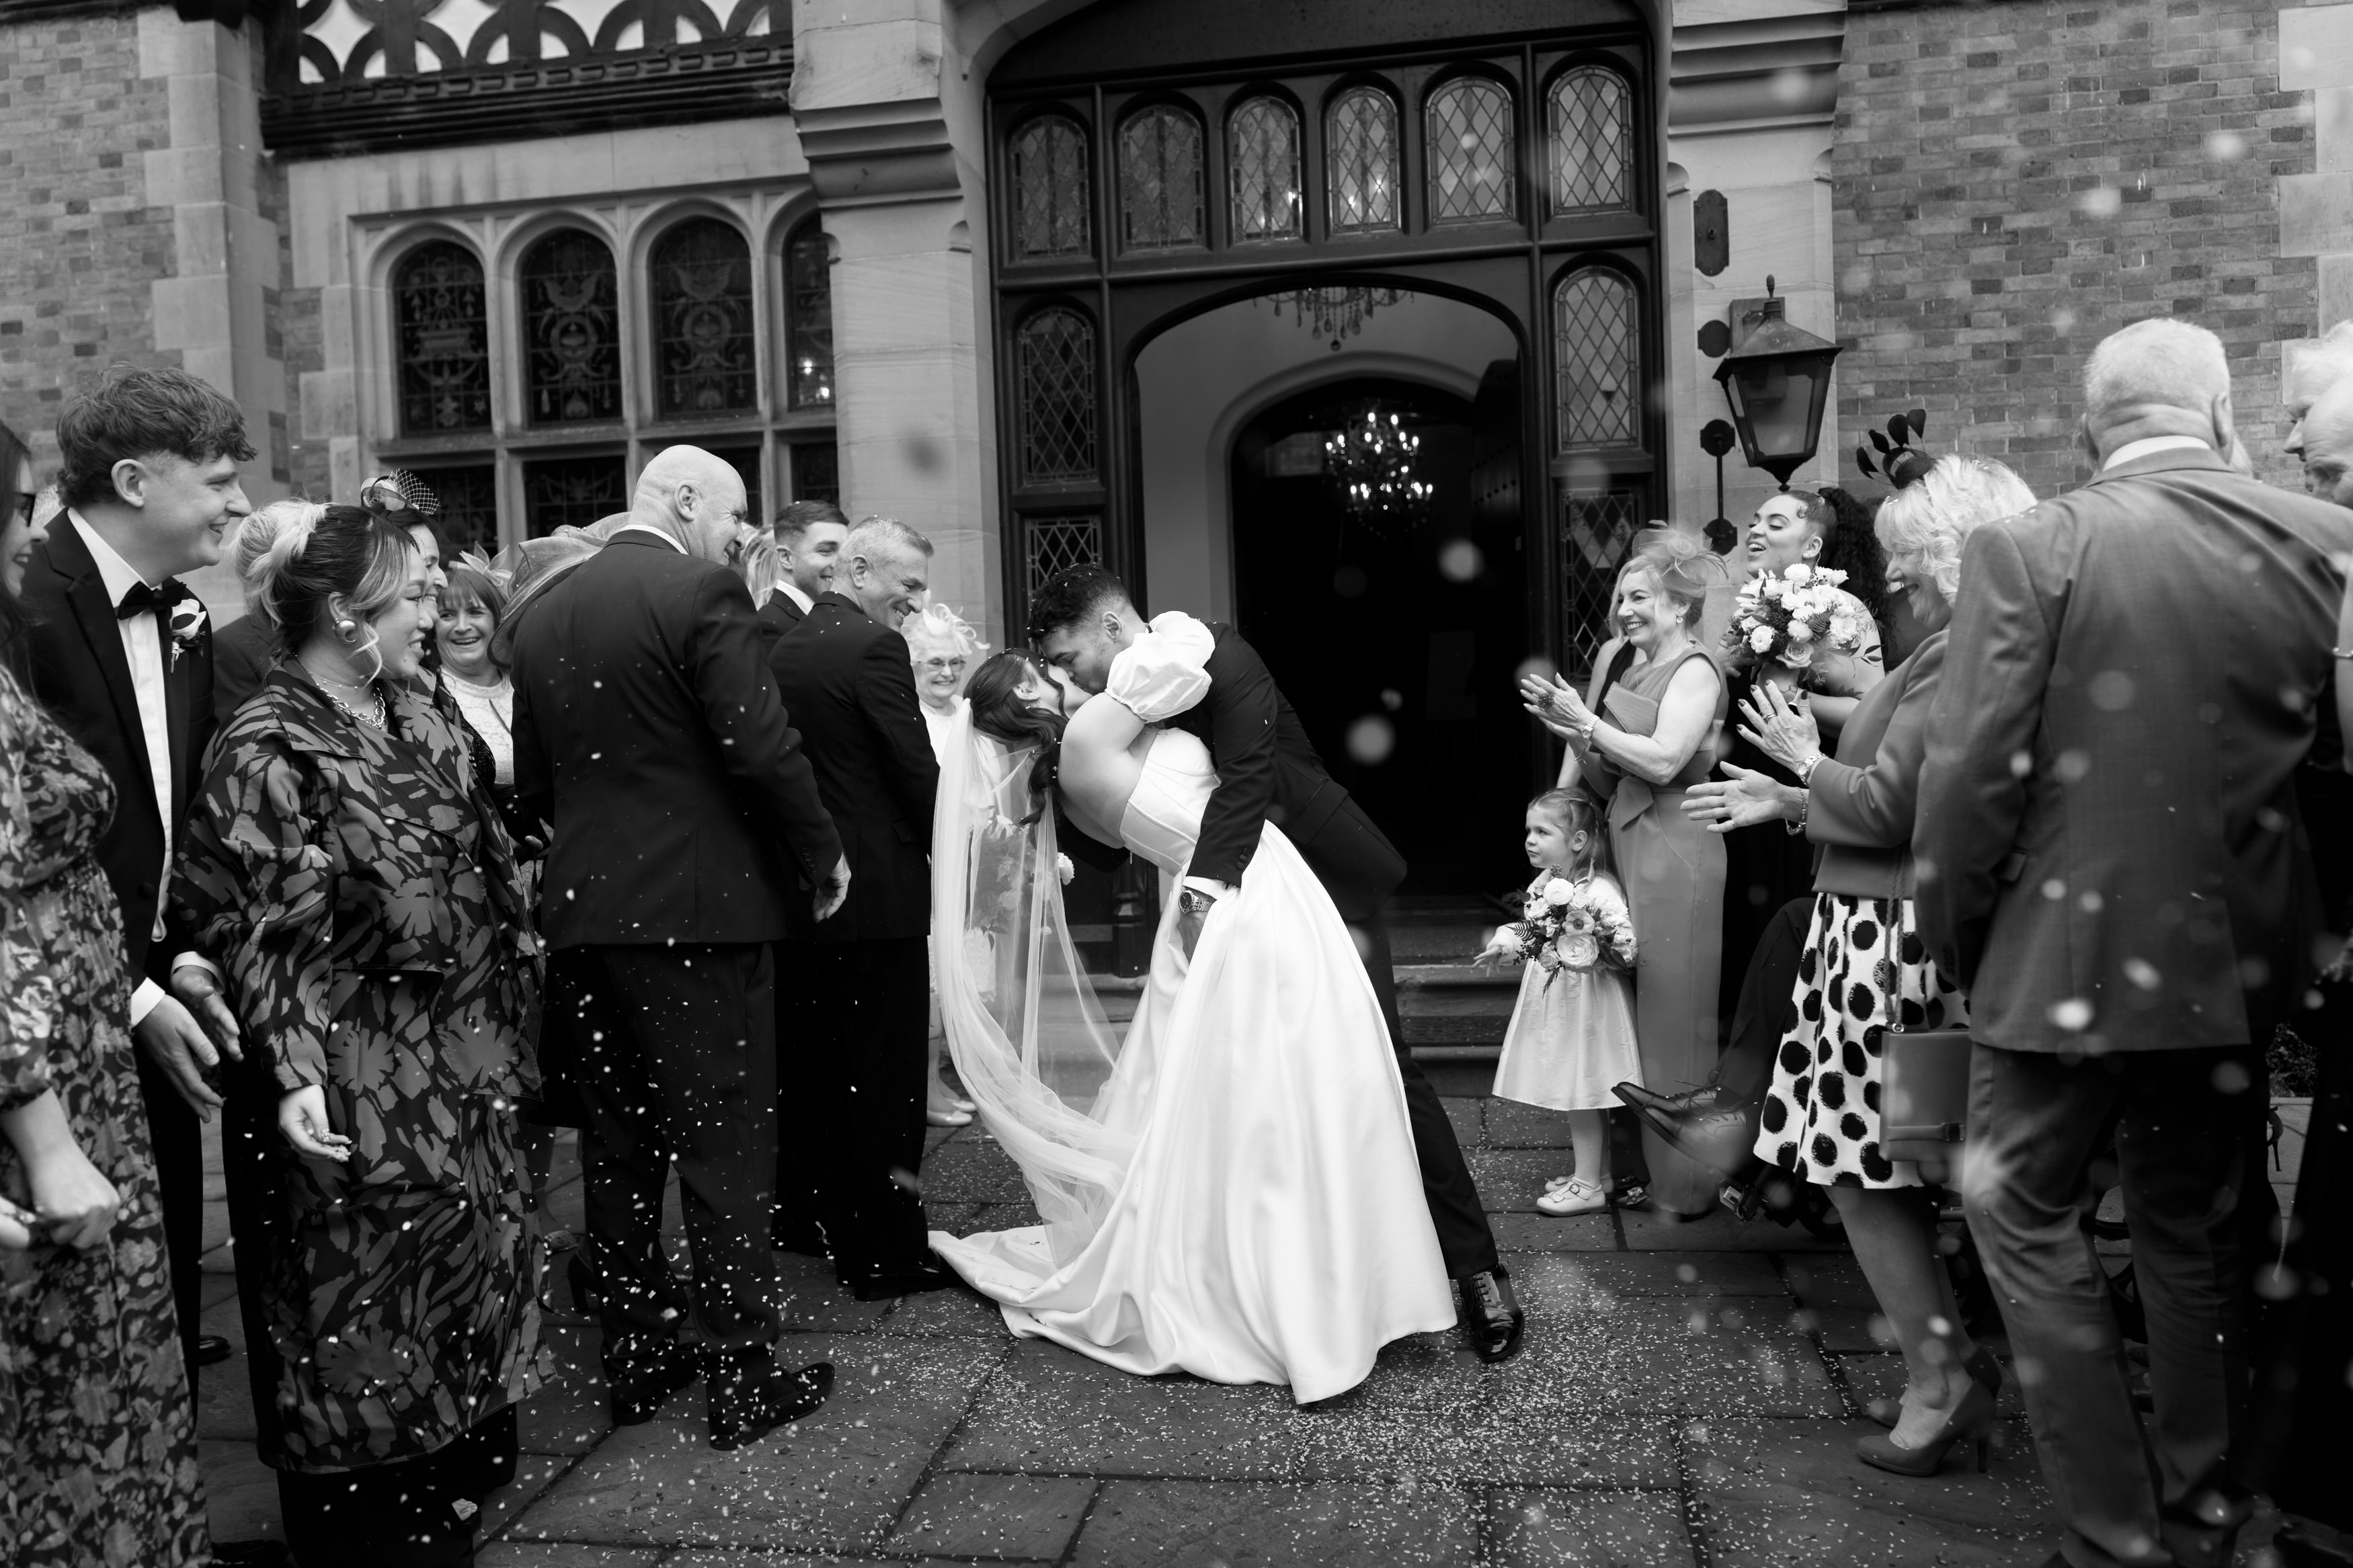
x=121 y=654
x=1268 y=771
x=648 y=731
x=809 y=535
x=859 y=992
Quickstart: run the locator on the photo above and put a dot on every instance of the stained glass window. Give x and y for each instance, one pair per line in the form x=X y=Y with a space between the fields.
x=745 y=461
x=808 y=314
x=1469 y=140
x=1360 y=157
x=572 y=330
x=1160 y=180
x=1597 y=527
x=1055 y=351
x=469 y=505
x=703 y=318
x=578 y=491
x=445 y=362
x=816 y=472
x=1592 y=110
x=1050 y=188
x=1596 y=361
x=1058 y=541
x=1263 y=169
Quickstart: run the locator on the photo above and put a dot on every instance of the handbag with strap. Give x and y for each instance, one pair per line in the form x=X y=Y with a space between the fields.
x=1923 y=1089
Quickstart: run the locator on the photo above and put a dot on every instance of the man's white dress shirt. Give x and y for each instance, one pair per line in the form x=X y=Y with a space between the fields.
x=2148 y=446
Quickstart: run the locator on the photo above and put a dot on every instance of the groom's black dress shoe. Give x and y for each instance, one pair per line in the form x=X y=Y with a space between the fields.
x=212 y=1349
x=1492 y=1315
x=1706 y=1123
x=751 y=1395
x=643 y=1379
x=913 y=1281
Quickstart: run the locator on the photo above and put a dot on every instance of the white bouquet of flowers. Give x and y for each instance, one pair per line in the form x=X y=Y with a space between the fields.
x=1790 y=618
x=1569 y=925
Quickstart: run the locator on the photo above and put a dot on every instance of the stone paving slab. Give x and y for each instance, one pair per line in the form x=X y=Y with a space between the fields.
x=1567 y=1282
x=1659 y=1356
x=1196 y=1524
x=995 y=1516
x=1533 y=1232
x=1512 y=1125
x=1587 y=1529
x=1649 y=1230
x=564 y=1555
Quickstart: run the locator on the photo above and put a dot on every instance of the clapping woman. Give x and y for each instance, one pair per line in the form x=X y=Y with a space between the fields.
x=348 y=869
x=1864 y=967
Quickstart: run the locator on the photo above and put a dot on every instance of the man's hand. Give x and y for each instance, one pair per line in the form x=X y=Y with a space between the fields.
x=200 y=991
x=169 y=1035
x=834 y=891
x=302 y=1117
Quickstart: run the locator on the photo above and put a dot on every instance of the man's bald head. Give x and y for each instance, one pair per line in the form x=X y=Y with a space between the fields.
x=695 y=497
x=2328 y=444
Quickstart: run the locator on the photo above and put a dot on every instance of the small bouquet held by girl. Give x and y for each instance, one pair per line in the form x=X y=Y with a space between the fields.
x=1572 y=1031
x=1790 y=618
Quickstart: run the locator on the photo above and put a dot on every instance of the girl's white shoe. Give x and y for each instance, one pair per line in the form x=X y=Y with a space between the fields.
x=1573 y=1197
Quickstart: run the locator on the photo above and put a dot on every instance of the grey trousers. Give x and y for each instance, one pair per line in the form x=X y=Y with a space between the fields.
x=2188 y=1125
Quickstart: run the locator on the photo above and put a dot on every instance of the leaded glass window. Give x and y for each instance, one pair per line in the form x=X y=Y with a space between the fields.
x=1160 y=180
x=1056 y=542
x=809 y=315
x=445 y=361
x=1050 y=188
x=1592 y=110
x=1469 y=140
x=572 y=330
x=1596 y=361
x=703 y=318
x=1597 y=528
x=1263 y=169
x=1360 y=157
x=469 y=505
x=574 y=491
x=1055 y=352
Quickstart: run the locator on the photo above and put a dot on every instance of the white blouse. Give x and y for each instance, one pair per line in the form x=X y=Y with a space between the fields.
x=491 y=710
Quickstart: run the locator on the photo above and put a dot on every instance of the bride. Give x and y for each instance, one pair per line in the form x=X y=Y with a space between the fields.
x=1230 y=1190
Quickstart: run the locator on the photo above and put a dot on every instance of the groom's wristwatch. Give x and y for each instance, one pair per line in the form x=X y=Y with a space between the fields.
x=1193 y=902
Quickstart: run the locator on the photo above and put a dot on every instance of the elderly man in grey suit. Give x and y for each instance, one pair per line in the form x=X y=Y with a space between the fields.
x=2112 y=862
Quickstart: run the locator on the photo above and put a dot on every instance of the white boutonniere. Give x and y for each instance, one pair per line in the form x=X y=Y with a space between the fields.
x=187 y=625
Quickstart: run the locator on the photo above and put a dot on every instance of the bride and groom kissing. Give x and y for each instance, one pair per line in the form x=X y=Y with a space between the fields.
x=1253 y=1183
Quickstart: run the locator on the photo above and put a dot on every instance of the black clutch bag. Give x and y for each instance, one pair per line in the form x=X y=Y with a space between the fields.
x=1924 y=1096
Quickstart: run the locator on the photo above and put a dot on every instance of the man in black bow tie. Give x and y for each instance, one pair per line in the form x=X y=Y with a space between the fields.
x=122 y=658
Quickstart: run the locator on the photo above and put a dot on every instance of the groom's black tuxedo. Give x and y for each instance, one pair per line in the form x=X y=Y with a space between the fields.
x=1268 y=770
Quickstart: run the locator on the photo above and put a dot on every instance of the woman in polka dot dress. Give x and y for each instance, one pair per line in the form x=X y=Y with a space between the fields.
x=1864 y=966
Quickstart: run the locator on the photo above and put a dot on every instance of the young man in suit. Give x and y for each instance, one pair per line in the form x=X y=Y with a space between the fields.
x=2112 y=863
x=857 y=1001
x=1268 y=770
x=810 y=536
x=648 y=731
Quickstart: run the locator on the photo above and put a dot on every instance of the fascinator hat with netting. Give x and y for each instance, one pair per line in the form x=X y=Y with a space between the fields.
x=400 y=491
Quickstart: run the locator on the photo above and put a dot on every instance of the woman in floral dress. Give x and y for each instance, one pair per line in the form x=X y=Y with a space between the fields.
x=347 y=867
x=98 y=1444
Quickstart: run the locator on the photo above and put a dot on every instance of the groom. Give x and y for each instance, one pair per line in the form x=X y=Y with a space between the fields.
x=1079 y=620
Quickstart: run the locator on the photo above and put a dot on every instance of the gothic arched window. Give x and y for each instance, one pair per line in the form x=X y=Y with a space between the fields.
x=1468 y=140
x=572 y=336
x=1360 y=161
x=1592 y=112
x=1596 y=361
x=1055 y=358
x=809 y=316
x=1050 y=188
x=445 y=361
x=1160 y=180
x=1263 y=169
x=703 y=318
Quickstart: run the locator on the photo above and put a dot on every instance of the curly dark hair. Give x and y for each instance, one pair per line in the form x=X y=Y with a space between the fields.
x=998 y=709
x=131 y=411
x=1069 y=597
x=1850 y=544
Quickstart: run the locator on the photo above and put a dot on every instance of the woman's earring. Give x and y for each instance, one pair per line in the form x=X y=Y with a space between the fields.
x=346 y=629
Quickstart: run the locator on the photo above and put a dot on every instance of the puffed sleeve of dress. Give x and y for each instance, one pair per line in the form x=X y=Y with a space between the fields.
x=28 y=987
x=1164 y=670
x=258 y=893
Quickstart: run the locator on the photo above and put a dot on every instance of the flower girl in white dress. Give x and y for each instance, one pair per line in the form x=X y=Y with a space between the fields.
x=1572 y=1031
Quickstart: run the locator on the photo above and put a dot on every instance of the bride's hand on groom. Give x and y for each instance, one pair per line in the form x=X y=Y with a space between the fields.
x=834 y=891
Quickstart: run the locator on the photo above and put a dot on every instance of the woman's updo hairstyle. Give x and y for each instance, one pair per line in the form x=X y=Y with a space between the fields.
x=999 y=710
x=294 y=554
x=1680 y=565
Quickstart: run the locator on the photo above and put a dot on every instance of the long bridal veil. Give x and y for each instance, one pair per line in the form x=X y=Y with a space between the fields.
x=1024 y=1025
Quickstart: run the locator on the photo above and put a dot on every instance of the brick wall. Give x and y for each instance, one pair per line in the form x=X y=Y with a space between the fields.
x=78 y=243
x=2015 y=179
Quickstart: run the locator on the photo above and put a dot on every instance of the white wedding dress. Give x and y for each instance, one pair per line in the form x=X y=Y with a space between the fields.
x=1231 y=1190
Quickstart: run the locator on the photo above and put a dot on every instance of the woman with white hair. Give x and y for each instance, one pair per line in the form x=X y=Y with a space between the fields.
x=1864 y=967
x=945 y=647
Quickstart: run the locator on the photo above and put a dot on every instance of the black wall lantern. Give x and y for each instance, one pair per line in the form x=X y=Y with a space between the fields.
x=1776 y=377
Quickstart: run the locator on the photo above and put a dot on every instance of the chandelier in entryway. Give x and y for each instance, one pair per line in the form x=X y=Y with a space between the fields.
x=1370 y=461
x=1336 y=311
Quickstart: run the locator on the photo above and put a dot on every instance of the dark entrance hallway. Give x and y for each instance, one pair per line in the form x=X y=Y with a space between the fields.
x=1398 y=647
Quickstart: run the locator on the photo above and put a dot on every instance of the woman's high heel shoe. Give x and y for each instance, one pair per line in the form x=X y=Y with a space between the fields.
x=1980 y=1366
x=1971 y=1420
